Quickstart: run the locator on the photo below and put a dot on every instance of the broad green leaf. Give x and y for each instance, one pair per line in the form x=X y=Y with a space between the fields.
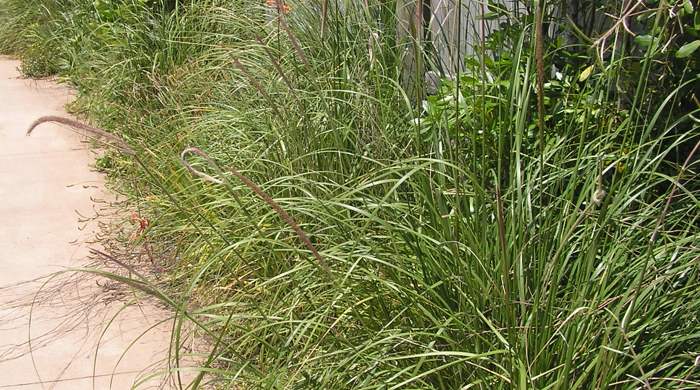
x=586 y=74
x=688 y=49
x=644 y=40
x=688 y=7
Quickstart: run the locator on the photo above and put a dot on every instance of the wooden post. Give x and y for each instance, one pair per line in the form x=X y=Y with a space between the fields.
x=448 y=27
x=410 y=37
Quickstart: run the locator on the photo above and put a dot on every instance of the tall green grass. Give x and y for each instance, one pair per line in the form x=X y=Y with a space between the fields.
x=467 y=247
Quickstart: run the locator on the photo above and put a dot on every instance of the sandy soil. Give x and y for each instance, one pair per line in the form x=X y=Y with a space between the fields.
x=46 y=185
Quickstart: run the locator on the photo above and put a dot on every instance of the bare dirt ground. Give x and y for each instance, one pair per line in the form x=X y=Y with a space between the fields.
x=46 y=189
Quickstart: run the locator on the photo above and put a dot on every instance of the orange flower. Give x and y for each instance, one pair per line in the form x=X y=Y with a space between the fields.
x=279 y=5
x=142 y=221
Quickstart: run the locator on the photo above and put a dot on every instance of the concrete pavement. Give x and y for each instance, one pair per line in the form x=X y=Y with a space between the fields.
x=46 y=185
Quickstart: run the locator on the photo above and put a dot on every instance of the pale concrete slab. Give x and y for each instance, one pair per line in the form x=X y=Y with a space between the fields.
x=45 y=184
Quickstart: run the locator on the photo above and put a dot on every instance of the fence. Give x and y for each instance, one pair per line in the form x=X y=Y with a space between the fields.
x=437 y=35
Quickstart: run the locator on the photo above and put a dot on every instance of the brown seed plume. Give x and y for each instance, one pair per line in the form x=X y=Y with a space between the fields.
x=93 y=132
x=260 y=193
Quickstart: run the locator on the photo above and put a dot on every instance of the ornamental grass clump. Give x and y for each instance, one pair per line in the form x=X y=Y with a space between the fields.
x=530 y=223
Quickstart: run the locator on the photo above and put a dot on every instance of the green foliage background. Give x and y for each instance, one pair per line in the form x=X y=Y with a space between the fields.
x=467 y=247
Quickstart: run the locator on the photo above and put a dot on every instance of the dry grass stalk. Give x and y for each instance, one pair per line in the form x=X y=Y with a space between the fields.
x=539 y=57
x=275 y=64
x=295 y=42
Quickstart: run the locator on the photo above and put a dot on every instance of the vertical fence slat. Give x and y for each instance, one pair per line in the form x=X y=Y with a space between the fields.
x=410 y=37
